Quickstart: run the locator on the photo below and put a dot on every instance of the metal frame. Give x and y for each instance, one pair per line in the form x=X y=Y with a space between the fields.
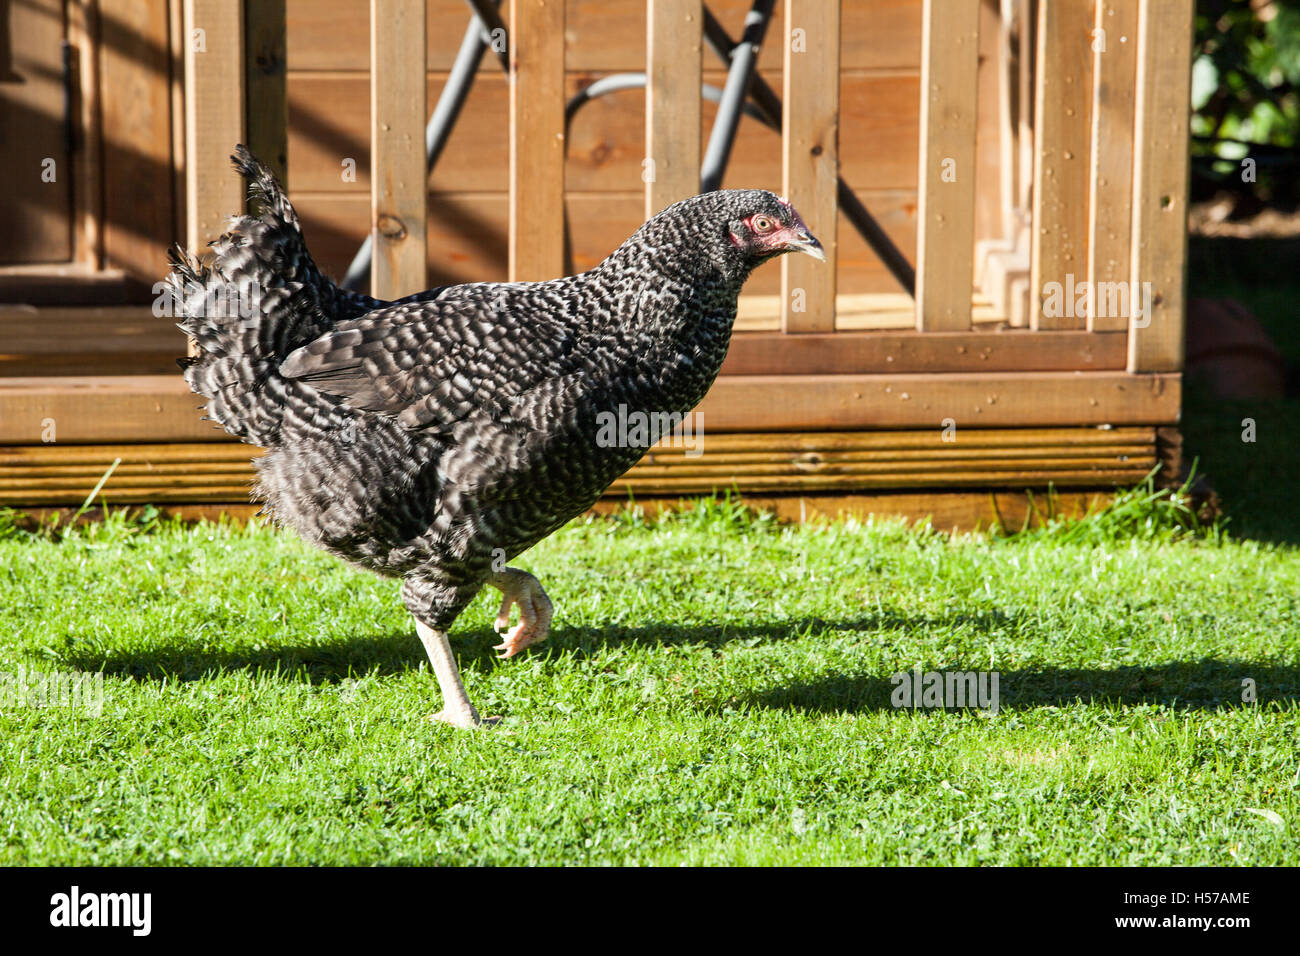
x=745 y=93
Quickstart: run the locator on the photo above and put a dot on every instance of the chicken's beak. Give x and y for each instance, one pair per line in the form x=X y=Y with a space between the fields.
x=805 y=241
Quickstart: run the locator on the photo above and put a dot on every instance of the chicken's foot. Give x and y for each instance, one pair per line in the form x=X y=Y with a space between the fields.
x=535 y=610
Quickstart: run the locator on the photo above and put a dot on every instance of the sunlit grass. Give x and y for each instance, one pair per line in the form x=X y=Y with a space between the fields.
x=716 y=689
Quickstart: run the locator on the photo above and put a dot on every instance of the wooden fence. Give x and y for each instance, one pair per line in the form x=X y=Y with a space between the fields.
x=1108 y=179
x=1092 y=124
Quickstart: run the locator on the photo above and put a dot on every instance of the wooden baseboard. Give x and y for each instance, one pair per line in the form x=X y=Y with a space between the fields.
x=762 y=464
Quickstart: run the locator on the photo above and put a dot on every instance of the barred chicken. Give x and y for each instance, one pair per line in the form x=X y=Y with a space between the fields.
x=438 y=437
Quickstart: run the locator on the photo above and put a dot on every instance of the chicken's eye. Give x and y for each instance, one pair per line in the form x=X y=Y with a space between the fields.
x=762 y=224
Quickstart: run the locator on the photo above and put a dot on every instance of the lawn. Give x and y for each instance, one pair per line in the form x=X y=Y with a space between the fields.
x=716 y=690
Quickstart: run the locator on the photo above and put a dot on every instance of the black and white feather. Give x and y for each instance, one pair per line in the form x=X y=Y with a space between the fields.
x=426 y=437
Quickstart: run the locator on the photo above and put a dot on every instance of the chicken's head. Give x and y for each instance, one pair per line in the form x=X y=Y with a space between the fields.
x=762 y=226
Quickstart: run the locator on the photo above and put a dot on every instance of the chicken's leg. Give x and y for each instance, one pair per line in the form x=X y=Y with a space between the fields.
x=520 y=587
x=456 y=708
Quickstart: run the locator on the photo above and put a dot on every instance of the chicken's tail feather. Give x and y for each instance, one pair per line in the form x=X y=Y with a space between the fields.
x=255 y=299
x=263 y=187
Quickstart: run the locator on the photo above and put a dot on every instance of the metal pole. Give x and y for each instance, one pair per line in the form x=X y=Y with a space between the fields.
x=495 y=33
x=618 y=82
x=876 y=238
x=743 y=58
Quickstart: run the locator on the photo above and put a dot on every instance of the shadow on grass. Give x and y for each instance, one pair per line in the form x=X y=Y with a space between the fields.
x=1204 y=684
x=335 y=659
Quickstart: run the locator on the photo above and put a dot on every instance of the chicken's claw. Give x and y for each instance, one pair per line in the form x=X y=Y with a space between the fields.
x=535 y=611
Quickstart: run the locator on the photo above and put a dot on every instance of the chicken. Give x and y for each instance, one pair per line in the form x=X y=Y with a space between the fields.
x=440 y=436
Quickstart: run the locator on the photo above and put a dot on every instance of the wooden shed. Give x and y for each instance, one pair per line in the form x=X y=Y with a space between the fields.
x=1000 y=187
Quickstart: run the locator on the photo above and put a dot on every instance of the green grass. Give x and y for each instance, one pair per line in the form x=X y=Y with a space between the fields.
x=716 y=690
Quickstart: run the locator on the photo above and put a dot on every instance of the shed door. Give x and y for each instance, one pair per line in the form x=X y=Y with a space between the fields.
x=36 y=196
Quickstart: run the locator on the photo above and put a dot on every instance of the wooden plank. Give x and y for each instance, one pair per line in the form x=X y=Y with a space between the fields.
x=1063 y=99
x=674 y=44
x=1077 y=441
x=990 y=195
x=24 y=327
x=131 y=408
x=138 y=476
x=664 y=466
x=810 y=159
x=82 y=410
x=136 y=160
x=88 y=194
x=1159 y=242
x=55 y=364
x=87 y=361
x=778 y=461
x=1114 y=75
x=661 y=460
x=214 y=116
x=1027 y=47
x=945 y=242
x=854 y=312
x=63 y=283
x=221 y=453
x=603 y=37
x=845 y=353
x=1008 y=75
x=826 y=465
x=536 y=247
x=1136 y=458
x=59 y=496
x=330 y=117
x=398 y=204
x=36 y=203
x=975 y=399
x=937 y=504
x=1006 y=439
x=467 y=238
x=770 y=463
x=237 y=487
x=849 y=483
x=266 y=84
x=176 y=45
x=160 y=484
x=36 y=516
